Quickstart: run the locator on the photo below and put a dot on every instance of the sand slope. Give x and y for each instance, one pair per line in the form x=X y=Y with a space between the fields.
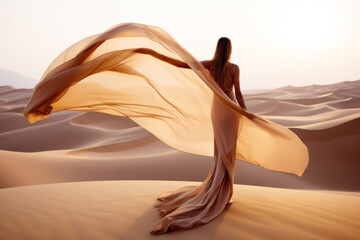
x=124 y=210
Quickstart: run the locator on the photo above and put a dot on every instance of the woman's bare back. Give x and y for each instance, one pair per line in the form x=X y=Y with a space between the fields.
x=232 y=79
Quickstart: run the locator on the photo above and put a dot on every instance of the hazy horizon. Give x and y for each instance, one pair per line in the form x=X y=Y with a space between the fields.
x=277 y=43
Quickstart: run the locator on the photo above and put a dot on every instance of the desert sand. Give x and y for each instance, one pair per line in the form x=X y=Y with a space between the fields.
x=124 y=210
x=52 y=173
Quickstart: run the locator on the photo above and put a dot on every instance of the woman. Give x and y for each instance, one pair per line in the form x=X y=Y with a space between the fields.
x=140 y=72
x=188 y=207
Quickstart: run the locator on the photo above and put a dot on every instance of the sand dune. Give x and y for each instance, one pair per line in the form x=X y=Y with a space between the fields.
x=334 y=156
x=317 y=122
x=102 y=121
x=103 y=147
x=313 y=107
x=124 y=210
x=333 y=162
x=74 y=146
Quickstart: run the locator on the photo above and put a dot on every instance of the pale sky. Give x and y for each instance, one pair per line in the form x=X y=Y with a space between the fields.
x=275 y=42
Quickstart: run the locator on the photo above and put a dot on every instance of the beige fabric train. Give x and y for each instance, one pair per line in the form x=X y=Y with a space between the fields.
x=118 y=72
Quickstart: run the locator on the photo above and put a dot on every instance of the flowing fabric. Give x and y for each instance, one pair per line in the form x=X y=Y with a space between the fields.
x=119 y=72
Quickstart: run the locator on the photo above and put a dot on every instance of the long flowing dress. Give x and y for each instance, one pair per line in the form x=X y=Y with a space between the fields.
x=192 y=206
x=118 y=72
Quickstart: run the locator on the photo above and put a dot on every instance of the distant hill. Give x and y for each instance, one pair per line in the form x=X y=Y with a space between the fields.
x=323 y=88
x=9 y=78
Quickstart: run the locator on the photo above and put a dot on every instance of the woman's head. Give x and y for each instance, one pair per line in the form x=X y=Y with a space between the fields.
x=223 y=51
x=221 y=59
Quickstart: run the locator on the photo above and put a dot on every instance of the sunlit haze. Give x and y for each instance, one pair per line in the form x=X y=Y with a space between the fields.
x=275 y=43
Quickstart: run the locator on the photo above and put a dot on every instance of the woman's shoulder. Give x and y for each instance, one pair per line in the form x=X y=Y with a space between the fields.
x=234 y=66
x=234 y=69
x=207 y=63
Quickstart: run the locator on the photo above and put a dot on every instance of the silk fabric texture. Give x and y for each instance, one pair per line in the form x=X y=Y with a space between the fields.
x=118 y=72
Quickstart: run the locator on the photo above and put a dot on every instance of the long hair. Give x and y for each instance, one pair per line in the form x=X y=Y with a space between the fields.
x=221 y=59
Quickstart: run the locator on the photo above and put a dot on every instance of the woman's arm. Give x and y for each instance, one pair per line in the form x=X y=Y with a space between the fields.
x=238 y=94
x=161 y=57
x=169 y=60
